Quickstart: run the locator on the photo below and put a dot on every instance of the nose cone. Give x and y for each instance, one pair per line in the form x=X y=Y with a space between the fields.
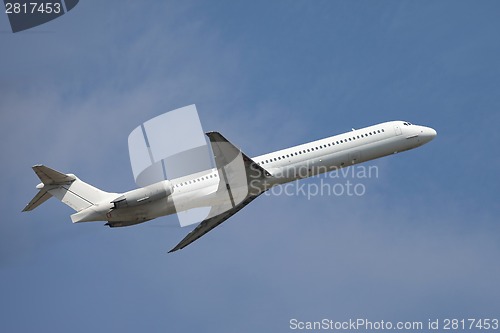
x=427 y=134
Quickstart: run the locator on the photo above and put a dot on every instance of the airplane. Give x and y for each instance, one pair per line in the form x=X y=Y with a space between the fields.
x=235 y=181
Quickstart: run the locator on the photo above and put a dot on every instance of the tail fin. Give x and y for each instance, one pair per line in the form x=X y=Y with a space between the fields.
x=65 y=187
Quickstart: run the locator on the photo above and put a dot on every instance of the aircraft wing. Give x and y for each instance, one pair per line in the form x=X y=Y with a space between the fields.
x=211 y=223
x=236 y=170
x=224 y=151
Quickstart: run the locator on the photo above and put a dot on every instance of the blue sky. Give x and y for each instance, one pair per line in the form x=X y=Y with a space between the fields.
x=423 y=242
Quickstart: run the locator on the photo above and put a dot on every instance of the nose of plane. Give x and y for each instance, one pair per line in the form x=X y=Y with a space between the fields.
x=427 y=133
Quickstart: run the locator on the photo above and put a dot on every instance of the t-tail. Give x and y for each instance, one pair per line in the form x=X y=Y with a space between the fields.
x=67 y=188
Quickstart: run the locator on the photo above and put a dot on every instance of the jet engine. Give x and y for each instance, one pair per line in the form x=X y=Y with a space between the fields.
x=143 y=195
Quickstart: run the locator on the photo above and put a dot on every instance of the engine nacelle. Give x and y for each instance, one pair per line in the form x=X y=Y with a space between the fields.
x=143 y=195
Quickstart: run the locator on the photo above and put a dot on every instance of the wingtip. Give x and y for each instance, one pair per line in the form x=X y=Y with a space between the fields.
x=215 y=136
x=176 y=248
x=211 y=133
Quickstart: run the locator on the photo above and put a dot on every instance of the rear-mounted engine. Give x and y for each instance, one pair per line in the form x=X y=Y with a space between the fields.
x=143 y=195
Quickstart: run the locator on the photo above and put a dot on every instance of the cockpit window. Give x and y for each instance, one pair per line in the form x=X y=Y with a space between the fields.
x=407 y=123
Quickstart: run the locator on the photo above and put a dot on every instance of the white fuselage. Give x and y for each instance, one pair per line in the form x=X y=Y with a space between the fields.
x=198 y=190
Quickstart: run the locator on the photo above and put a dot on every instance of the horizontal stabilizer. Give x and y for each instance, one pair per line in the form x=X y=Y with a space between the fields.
x=39 y=199
x=50 y=176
